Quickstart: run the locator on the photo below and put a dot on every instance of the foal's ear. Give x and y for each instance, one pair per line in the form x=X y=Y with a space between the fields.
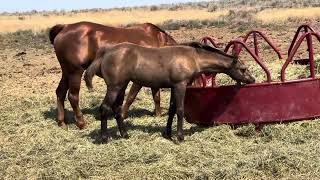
x=236 y=56
x=242 y=66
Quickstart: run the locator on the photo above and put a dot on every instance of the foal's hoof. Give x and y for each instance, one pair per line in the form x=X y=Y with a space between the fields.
x=105 y=139
x=166 y=135
x=81 y=124
x=180 y=138
x=125 y=135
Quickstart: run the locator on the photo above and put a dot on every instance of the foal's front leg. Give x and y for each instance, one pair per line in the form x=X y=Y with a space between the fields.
x=179 y=93
x=167 y=133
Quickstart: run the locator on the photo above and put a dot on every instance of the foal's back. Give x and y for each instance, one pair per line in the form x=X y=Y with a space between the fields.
x=151 y=67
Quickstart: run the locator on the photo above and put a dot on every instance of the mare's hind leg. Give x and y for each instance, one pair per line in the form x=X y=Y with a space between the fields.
x=167 y=133
x=117 y=109
x=61 y=93
x=156 y=99
x=73 y=96
x=179 y=93
x=135 y=88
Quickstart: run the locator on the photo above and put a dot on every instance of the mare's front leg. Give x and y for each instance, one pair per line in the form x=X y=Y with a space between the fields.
x=179 y=93
x=74 y=81
x=167 y=133
x=156 y=100
x=135 y=88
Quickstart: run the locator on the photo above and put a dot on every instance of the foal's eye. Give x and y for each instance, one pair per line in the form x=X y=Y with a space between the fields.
x=243 y=70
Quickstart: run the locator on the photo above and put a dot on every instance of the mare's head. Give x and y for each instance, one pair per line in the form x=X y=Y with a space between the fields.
x=225 y=63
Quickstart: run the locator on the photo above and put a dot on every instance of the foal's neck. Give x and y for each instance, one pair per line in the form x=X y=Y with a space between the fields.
x=214 y=62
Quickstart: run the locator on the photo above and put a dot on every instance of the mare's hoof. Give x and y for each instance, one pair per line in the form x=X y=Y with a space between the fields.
x=63 y=125
x=157 y=113
x=166 y=135
x=125 y=115
x=180 y=138
x=81 y=124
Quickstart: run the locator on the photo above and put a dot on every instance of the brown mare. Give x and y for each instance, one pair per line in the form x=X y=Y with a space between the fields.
x=167 y=67
x=76 y=46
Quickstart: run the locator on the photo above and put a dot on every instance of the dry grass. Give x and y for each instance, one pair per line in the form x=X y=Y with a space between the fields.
x=115 y=17
x=282 y=15
x=38 y=22
x=33 y=147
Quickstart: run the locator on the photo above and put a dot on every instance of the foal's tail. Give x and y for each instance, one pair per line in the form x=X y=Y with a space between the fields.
x=91 y=71
x=54 y=31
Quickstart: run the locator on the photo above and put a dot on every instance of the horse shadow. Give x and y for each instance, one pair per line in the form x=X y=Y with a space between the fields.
x=51 y=114
x=150 y=130
x=94 y=135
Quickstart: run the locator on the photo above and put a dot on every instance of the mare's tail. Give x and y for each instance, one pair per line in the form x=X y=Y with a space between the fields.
x=91 y=71
x=54 y=31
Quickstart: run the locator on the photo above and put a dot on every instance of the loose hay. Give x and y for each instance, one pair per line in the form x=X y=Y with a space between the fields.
x=32 y=146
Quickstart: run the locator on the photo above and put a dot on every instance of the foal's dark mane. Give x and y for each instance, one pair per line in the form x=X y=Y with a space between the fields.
x=198 y=45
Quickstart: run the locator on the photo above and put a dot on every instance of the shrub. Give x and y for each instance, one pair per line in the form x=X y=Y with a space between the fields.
x=212 y=7
x=21 y=18
x=154 y=8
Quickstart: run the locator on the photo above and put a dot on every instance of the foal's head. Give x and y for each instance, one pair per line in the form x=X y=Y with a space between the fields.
x=239 y=72
x=230 y=65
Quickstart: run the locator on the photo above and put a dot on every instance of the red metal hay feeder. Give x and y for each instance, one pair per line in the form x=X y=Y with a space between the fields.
x=261 y=102
x=236 y=50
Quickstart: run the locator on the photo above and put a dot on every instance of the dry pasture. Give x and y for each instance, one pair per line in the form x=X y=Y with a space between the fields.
x=32 y=146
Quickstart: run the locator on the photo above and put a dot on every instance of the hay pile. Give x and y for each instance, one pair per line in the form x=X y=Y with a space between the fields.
x=293 y=71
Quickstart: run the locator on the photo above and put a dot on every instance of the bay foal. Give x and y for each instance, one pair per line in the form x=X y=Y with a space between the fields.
x=167 y=67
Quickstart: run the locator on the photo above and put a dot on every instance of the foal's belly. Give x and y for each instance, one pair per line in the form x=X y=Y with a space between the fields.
x=153 y=81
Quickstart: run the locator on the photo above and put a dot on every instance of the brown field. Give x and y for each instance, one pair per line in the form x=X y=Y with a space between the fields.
x=32 y=146
x=115 y=17
x=38 y=22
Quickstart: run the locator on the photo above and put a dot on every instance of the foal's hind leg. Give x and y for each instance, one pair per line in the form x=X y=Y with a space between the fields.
x=117 y=107
x=73 y=96
x=167 y=133
x=105 y=109
x=61 y=93
x=156 y=99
